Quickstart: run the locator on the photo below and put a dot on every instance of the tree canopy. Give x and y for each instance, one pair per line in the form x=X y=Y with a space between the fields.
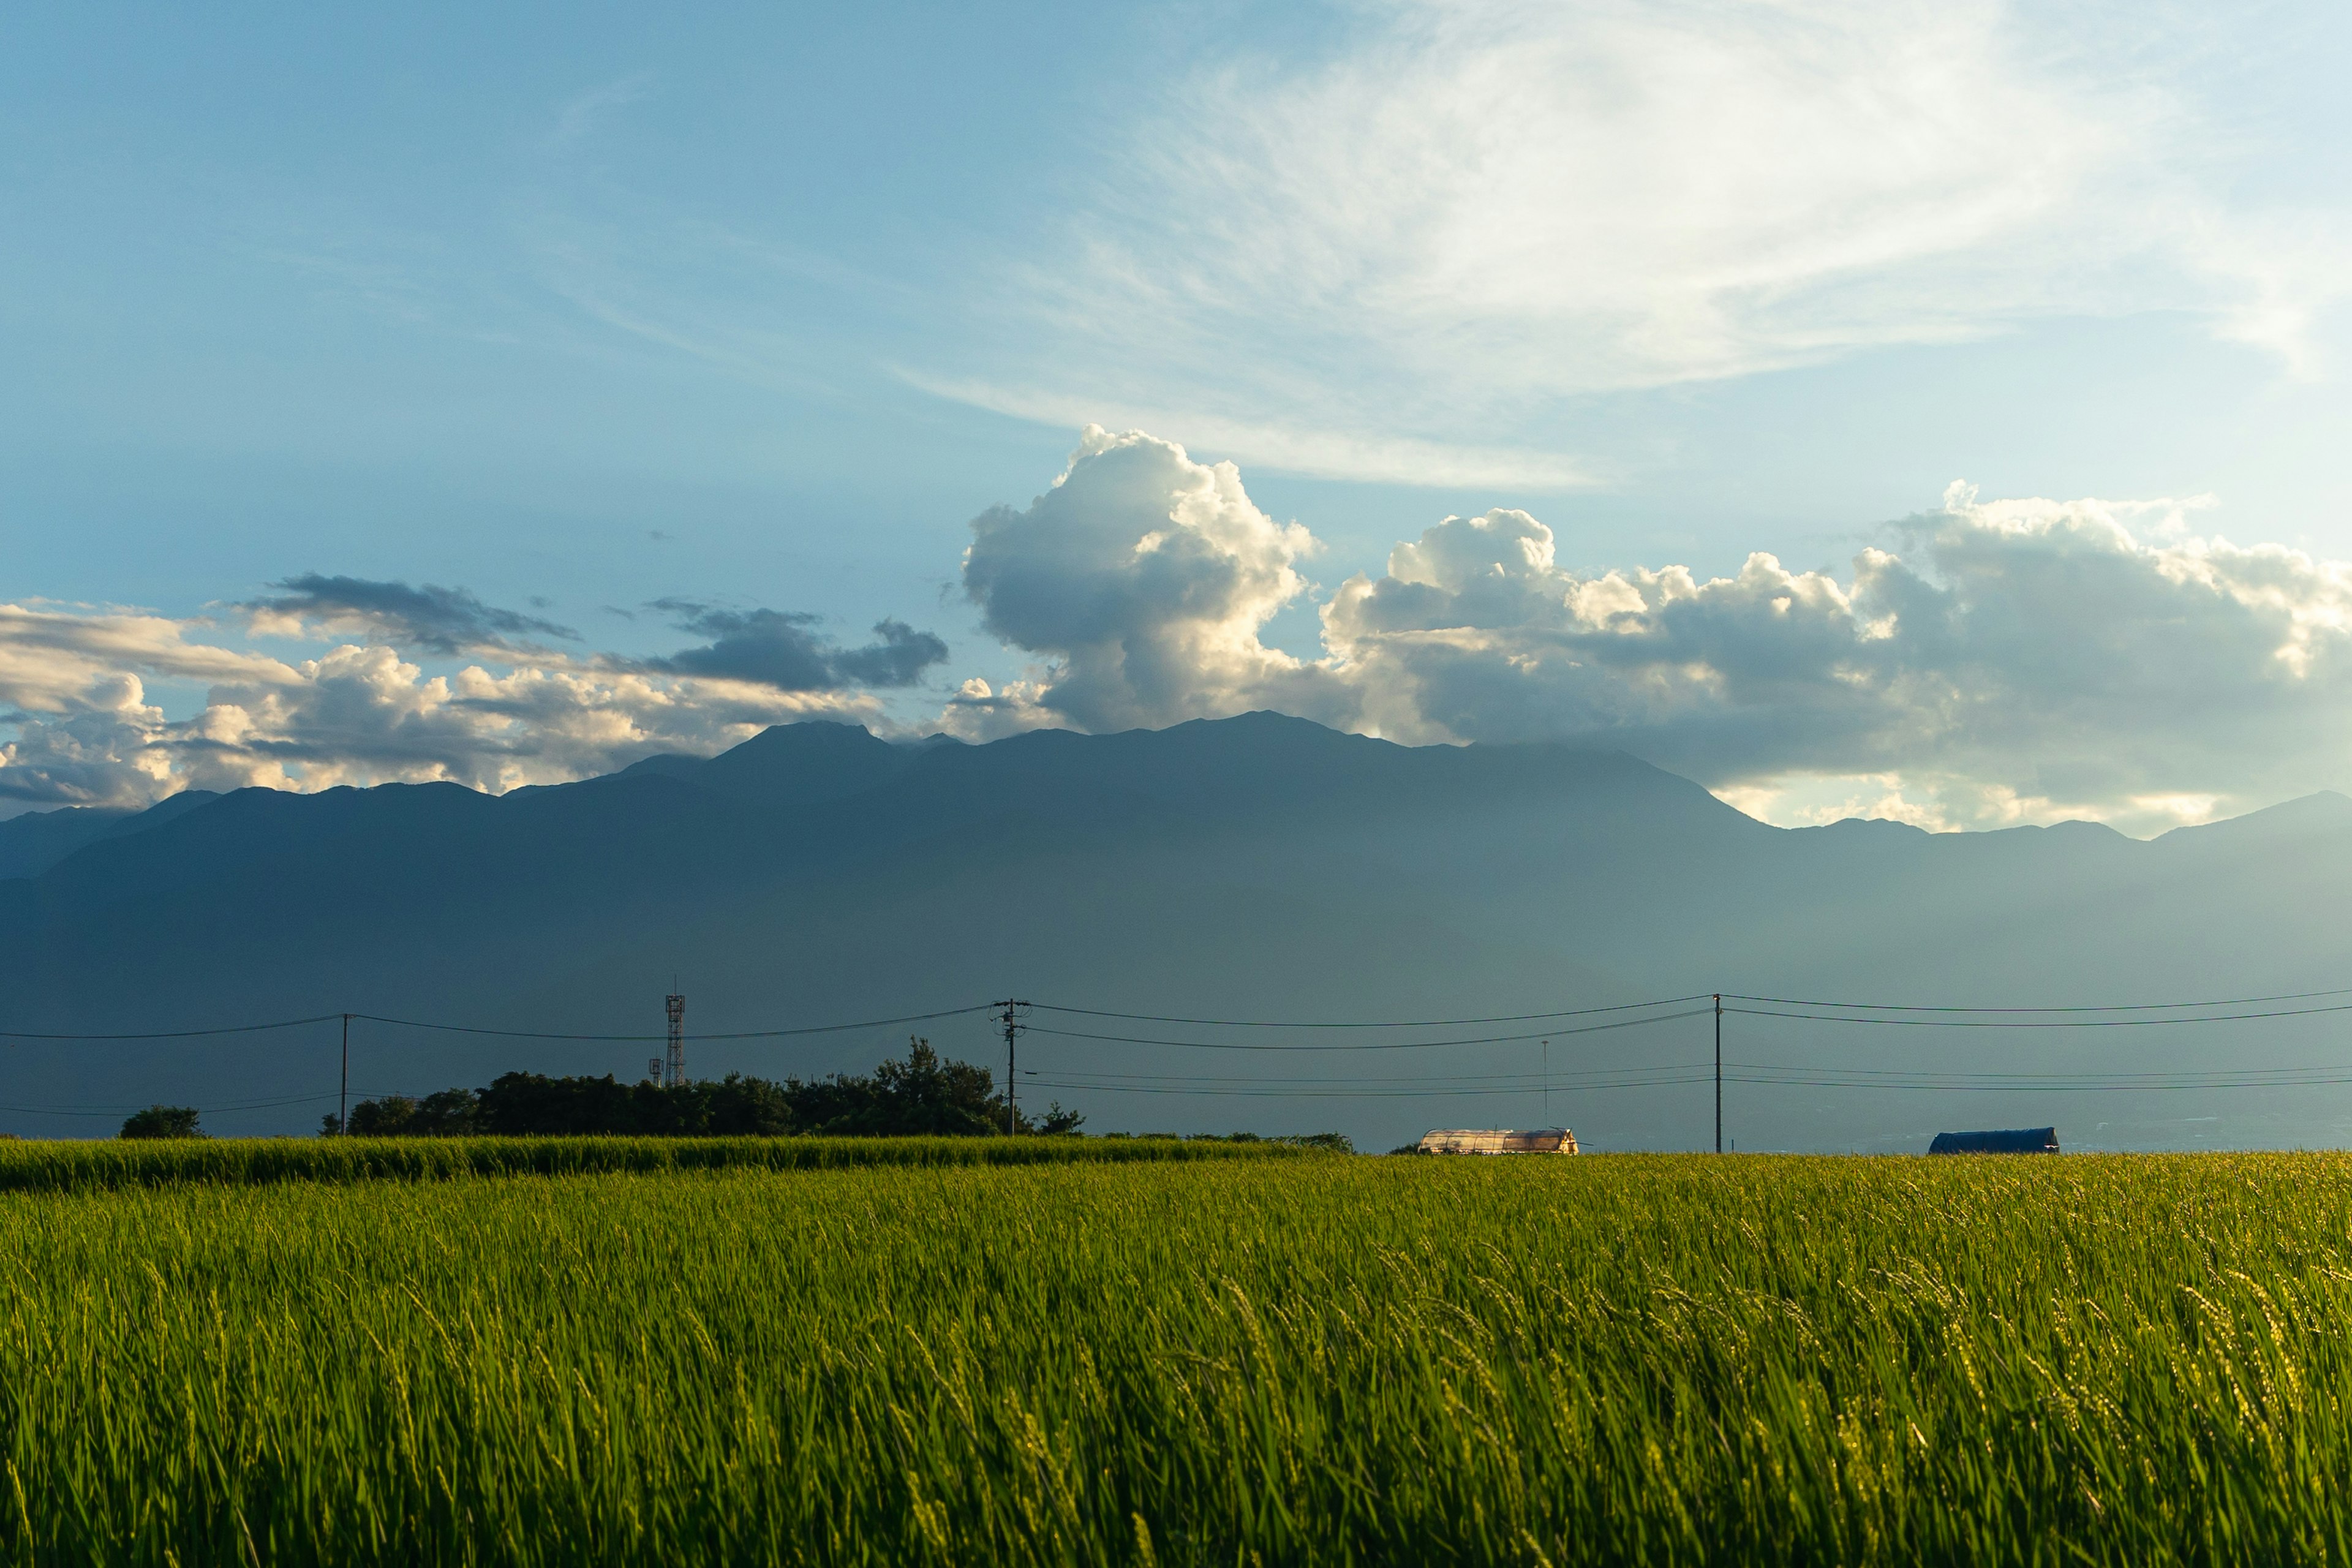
x=922 y=1093
x=163 y=1122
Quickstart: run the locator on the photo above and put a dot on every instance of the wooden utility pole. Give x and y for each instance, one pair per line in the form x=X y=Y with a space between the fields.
x=1011 y=1100
x=1718 y=1072
x=343 y=1098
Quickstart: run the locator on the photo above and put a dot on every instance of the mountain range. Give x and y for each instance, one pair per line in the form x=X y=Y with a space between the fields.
x=1260 y=869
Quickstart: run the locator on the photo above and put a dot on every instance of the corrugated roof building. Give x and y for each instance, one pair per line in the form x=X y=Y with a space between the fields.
x=1498 y=1140
x=2015 y=1140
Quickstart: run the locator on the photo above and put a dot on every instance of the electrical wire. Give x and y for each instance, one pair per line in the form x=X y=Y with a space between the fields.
x=2029 y=1087
x=1369 y=1045
x=2040 y=1023
x=176 y=1034
x=1565 y=1078
x=1356 y=1094
x=1903 y=1076
x=1422 y=1024
x=2095 y=1008
x=109 y=1112
x=1780 y=1078
x=1402 y=1086
x=737 y=1035
x=1839 y=1011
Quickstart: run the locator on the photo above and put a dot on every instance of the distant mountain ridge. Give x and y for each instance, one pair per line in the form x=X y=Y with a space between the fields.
x=1257 y=868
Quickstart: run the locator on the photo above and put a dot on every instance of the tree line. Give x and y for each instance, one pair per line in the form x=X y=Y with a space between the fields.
x=920 y=1094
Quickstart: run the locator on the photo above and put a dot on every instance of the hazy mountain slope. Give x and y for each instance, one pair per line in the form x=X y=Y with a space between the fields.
x=35 y=841
x=1255 y=868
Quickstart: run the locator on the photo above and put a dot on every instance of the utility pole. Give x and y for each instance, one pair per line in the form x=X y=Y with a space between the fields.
x=1718 y=1072
x=343 y=1097
x=1011 y=1018
x=675 y=1073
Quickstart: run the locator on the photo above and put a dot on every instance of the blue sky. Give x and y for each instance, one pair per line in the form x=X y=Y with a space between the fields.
x=580 y=310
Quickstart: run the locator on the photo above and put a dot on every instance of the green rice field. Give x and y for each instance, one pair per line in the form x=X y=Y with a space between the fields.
x=80 y=1166
x=1283 y=1358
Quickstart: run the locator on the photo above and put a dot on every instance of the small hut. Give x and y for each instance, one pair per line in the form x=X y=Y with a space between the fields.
x=2016 y=1141
x=1499 y=1141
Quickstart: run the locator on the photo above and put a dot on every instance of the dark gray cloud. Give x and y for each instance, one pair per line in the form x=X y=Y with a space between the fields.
x=899 y=659
x=430 y=618
x=782 y=648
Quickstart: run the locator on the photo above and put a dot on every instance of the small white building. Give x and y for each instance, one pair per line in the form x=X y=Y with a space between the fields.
x=1498 y=1140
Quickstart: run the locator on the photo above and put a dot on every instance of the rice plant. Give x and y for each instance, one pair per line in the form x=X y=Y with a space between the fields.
x=71 y=1166
x=1616 y=1359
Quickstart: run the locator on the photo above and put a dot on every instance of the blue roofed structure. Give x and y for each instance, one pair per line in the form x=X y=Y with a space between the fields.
x=2016 y=1141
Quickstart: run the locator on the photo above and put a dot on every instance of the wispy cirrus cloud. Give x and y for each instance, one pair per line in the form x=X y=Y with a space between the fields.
x=1324 y=453
x=580 y=115
x=1399 y=256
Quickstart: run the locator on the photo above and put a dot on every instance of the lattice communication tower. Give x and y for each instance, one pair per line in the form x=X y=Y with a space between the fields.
x=674 y=1075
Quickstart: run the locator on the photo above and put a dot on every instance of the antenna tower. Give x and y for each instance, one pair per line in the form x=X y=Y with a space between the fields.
x=674 y=1074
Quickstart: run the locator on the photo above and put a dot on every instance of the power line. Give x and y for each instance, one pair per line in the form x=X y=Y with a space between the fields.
x=2036 y=1088
x=1743 y=1072
x=1369 y=1045
x=1835 y=1012
x=739 y=1035
x=109 y=1112
x=1344 y=1088
x=1902 y=1075
x=2139 y=1014
x=477 y=1029
x=2092 y=1007
x=2044 y=1022
x=1347 y=1093
x=1528 y=1081
x=175 y=1034
x=1422 y=1023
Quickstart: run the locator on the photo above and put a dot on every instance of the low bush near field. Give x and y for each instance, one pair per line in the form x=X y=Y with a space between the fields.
x=1614 y=1359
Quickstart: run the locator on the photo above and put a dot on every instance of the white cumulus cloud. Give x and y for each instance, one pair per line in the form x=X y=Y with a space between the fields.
x=1146 y=577
x=75 y=685
x=1988 y=661
x=2002 y=661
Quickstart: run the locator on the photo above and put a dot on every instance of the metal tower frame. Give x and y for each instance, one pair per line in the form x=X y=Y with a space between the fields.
x=674 y=1075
